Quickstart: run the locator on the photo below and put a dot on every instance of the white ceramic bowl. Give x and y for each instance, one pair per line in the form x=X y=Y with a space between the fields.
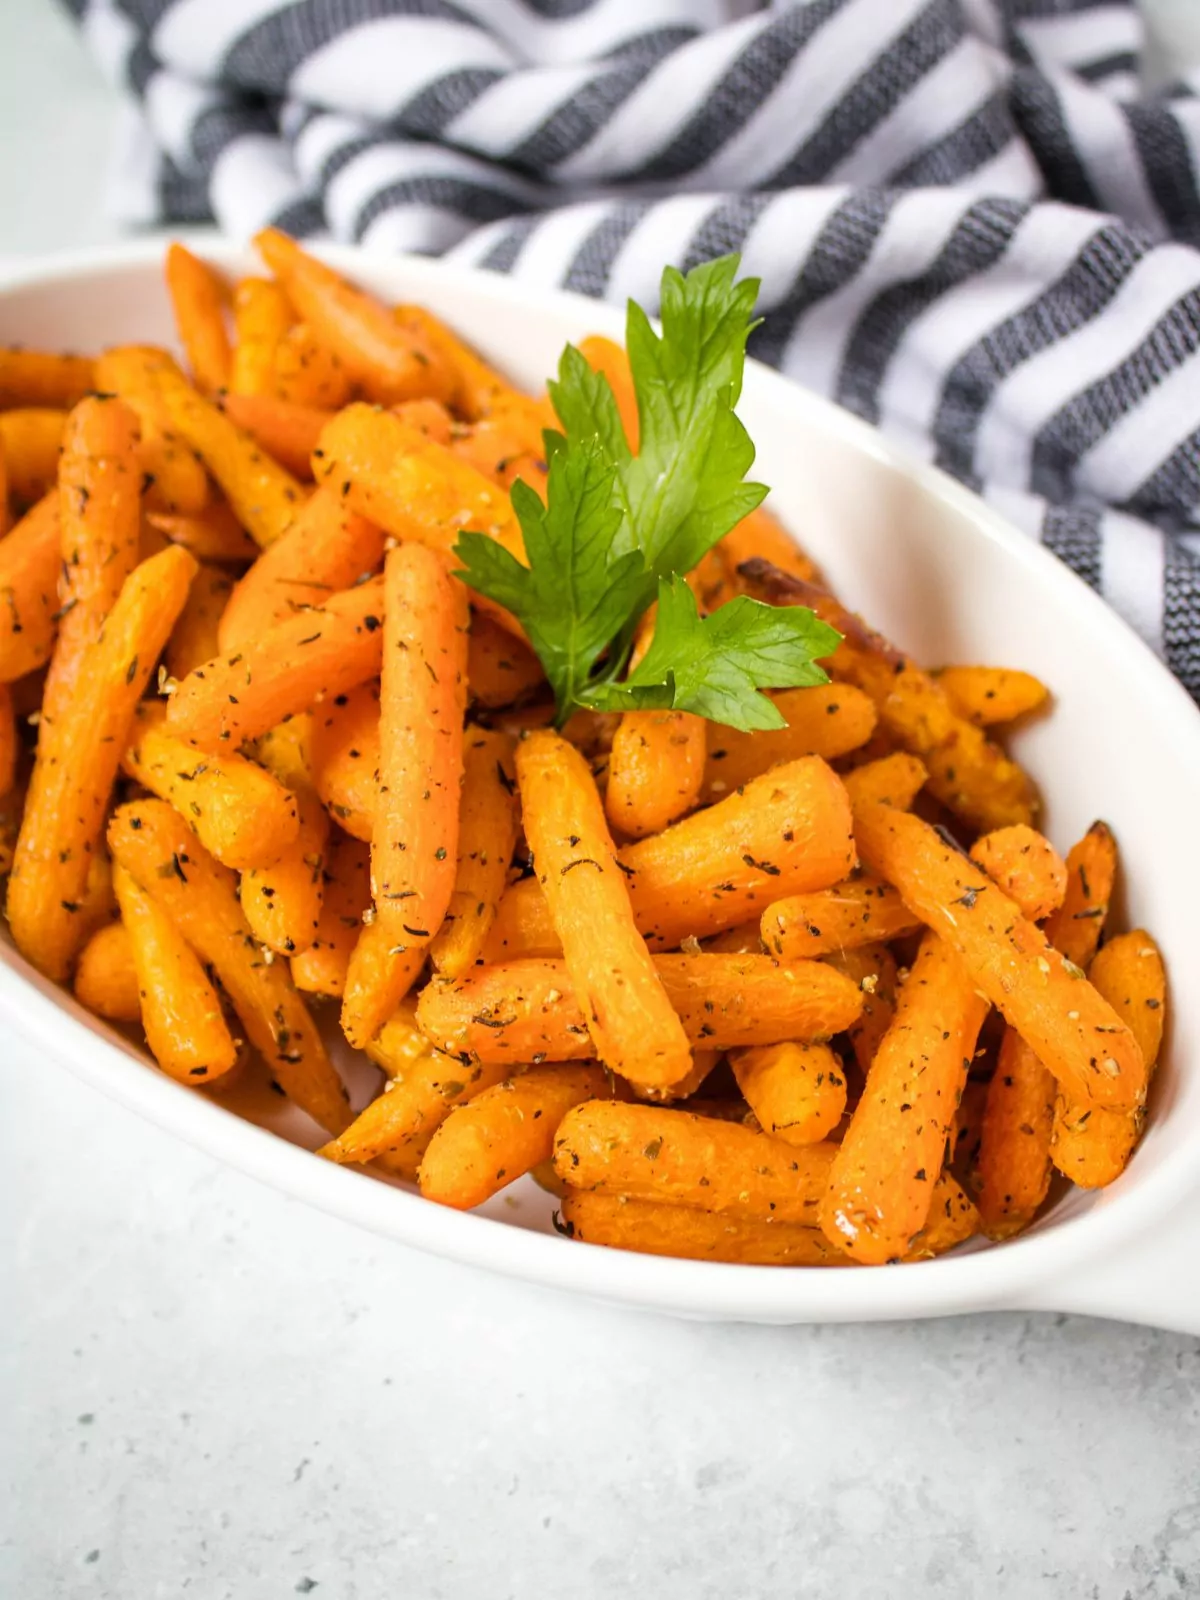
x=944 y=576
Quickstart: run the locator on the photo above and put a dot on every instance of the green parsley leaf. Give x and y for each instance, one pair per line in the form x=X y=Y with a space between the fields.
x=716 y=665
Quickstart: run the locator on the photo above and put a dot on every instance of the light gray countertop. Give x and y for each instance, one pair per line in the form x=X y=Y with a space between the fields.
x=210 y=1391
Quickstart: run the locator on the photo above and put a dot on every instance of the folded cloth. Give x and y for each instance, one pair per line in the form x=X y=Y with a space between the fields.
x=971 y=226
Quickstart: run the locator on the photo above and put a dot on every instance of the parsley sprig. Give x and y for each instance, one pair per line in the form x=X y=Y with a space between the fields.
x=619 y=532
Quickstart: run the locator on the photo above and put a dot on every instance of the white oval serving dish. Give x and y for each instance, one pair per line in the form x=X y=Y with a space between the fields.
x=947 y=578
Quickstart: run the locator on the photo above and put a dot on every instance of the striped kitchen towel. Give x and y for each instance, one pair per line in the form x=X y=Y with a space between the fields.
x=971 y=225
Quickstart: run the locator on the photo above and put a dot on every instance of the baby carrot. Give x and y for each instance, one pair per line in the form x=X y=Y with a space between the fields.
x=175 y=481
x=286 y=431
x=196 y=636
x=873 y=968
x=500 y=667
x=828 y=721
x=631 y=1022
x=479 y=390
x=762 y=537
x=198 y=298
x=282 y=896
x=105 y=977
x=300 y=661
x=199 y=895
x=986 y=695
x=322 y=968
x=379 y=975
x=655 y=770
x=893 y=780
x=620 y=1222
x=345 y=757
x=306 y=372
x=797 y=1091
x=30 y=439
x=487 y=836
x=43 y=378
x=261 y=318
x=74 y=771
x=213 y=534
x=861 y=910
x=1026 y=866
x=30 y=561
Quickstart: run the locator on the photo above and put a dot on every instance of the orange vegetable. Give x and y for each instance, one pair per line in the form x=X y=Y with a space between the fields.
x=873 y=968
x=261 y=318
x=506 y=446
x=500 y=668
x=5 y=515
x=345 y=757
x=1026 y=866
x=860 y=910
x=893 y=780
x=282 y=897
x=199 y=895
x=881 y=1185
x=322 y=968
x=105 y=979
x=952 y=1220
x=198 y=297
x=8 y=741
x=664 y=1154
x=530 y=1010
x=497 y=1136
x=30 y=439
x=1048 y=1000
x=327 y=548
x=828 y=721
x=77 y=761
x=287 y=431
x=761 y=536
x=1092 y=1145
x=308 y=373
x=487 y=836
x=479 y=390
x=985 y=695
x=175 y=481
x=30 y=560
x=621 y=1223
x=213 y=534
x=379 y=975
x=196 y=636
x=631 y=1022
x=298 y=662
x=43 y=378
x=655 y=770
x=390 y=363
x=181 y=1014
x=797 y=1091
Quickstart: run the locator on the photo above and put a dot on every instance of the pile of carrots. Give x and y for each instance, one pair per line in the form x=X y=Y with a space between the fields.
x=734 y=996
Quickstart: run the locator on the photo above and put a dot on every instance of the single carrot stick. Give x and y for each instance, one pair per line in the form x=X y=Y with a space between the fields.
x=30 y=560
x=262 y=316
x=1015 y=1141
x=196 y=638
x=327 y=548
x=213 y=534
x=322 y=968
x=389 y=362
x=240 y=813
x=626 y=1009
x=1090 y=1144
x=282 y=897
x=987 y=695
x=497 y=1136
x=308 y=373
x=797 y=1091
x=487 y=836
x=264 y=496
x=175 y=481
x=655 y=770
x=31 y=438
x=952 y=1220
x=99 y=497
x=301 y=661
x=861 y=910
x=893 y=780
x=506 y=446
x=967 y=773
x=785 y=833
x=198 y=298
x=74 y=771
x=619 y=1222
x=479 y=389
x=106 y=980
x=286 y=431
x=881 y=1184
x=501 y=669
x=872 y=967
x=828 y=721
x=531 y=1011
x=430 y=418
x=180 y=1012
x=1026 y=866
x=378 y=977
x=152 y=843
x=345 y=757
x=664 y=1154
x=609 y=359
x=762 y=537
x=1049 y=1002
x=43 y=378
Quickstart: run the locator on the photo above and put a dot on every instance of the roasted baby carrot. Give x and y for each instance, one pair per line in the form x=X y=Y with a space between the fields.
x=1046 y=998
x=30 y=561
x=761 y=536
x=828 y=721
x=797 y=1091
x=175 y=481
x=43 y=378
x=530 y=1010
x=390 y=363
x=986 y=695
x=213 y=534
x=181 y=1014
x=1026 y=866
x=1092 y=1145
x=660 y=1153
x=479 y=389
x=379 y=975
x=262 y=316
x=196 y=638
x=655 y=770
x=487 y=836
x=240 y=813
x=501 y=668
x=631 y=1022
x=893 y=780
x=881 y=1184
x=873 y=968
x=345 y=757
x=952 y=1220
x=106 y=980
x=286 y=431
x=300 y=661
x=30 y=439
x=74 y=771
x=497 y=1136
x=308 y=373
x=322 y=968
x=198 y=297
x=620 y=1222
x=152 y=843
x=861 y=910
x=282 y=897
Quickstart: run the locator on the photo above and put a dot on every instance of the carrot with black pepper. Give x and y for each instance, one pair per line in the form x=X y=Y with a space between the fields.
x=345 y=757
x=30 y=439
x=175 y=481
x=30 y=562
x=198 y=298
x=322 y=967
x=828 y=721
x=286 y=431
x=43 y=378
x=106 y=980
x=487 y=836
x=262 y=316
x=1026 y=866
x=621 y=1222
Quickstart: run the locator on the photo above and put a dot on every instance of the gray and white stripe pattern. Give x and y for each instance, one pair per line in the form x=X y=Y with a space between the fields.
x=971 y=226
